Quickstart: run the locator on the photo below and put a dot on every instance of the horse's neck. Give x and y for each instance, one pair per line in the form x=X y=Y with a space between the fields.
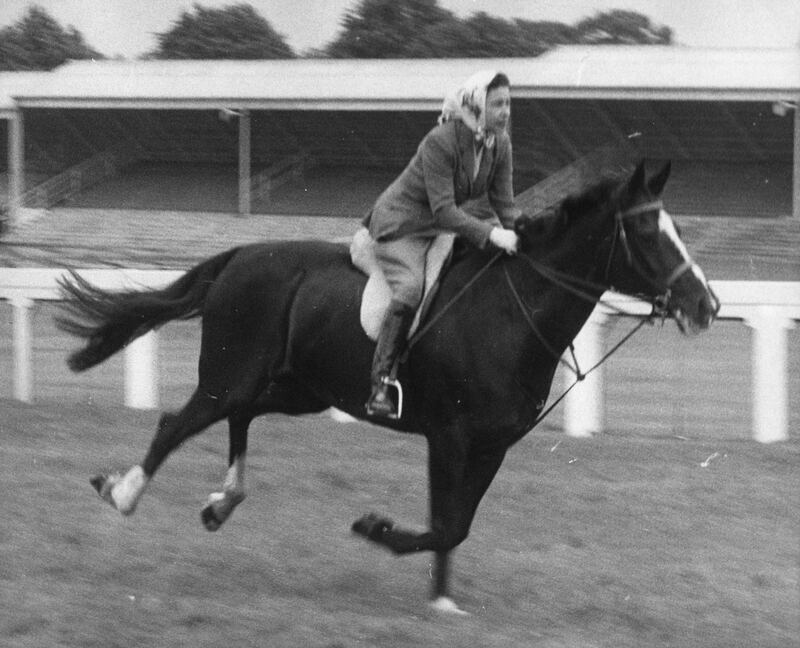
x=561 y=289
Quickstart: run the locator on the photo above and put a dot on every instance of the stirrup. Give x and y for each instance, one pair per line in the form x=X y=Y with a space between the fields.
x=389 y=382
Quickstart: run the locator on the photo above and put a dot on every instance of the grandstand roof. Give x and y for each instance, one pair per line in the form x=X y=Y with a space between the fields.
x=16 y=83
x=574 y=72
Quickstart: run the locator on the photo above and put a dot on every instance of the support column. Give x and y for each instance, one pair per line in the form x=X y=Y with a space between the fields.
x=770 y=375
x=141 y=372
x=583 y=406
x=16 y=166
x=796 y=164
x=23 y=349
x=244 y=162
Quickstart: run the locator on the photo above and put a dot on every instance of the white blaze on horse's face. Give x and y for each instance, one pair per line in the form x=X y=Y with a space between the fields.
x=694 y=322
x=667 y=228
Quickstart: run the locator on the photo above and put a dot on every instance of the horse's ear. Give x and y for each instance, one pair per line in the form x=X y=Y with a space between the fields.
x=657 y=182
x=637 y=179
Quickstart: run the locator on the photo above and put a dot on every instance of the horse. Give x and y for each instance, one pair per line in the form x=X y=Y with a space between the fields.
x=281 y=333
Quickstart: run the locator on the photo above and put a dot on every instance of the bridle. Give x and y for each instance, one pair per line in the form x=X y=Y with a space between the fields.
x=576 y=285
x=583 y=288
x=620 y=235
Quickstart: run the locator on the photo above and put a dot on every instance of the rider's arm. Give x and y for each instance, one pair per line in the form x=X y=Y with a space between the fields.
x=501 y=190
x=440 y=166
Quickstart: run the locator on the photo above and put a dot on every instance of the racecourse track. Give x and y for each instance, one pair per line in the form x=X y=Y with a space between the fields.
x=671 y=529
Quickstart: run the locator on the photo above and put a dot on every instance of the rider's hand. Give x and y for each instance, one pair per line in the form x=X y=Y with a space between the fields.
x=505 y=239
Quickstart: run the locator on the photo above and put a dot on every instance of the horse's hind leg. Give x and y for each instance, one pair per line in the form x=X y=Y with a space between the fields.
x=221 y=504
x=123 y=492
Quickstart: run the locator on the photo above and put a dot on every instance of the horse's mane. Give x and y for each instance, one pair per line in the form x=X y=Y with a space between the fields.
x=556 y=221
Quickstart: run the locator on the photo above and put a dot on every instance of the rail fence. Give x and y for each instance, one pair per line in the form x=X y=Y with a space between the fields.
x=769 y=309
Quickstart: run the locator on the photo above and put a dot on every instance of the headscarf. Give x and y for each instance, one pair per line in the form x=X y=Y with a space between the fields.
x=468 y=104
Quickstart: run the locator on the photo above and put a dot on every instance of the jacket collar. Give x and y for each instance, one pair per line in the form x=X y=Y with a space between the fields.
x=467 y=146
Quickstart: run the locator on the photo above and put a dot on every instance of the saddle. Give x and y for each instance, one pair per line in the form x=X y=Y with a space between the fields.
x=378 y=294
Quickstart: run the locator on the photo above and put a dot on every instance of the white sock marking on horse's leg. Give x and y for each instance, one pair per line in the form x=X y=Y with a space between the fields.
x=232 y=493
x=446 y=605
x=234 y=479
x=127 y=491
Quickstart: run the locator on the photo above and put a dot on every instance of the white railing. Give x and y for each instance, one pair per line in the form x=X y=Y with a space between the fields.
x=770 y=309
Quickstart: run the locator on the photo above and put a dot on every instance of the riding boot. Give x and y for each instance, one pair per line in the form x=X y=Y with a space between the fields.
x=391 y=340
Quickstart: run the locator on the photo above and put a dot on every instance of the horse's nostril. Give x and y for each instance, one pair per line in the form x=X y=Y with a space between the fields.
x=710 y=306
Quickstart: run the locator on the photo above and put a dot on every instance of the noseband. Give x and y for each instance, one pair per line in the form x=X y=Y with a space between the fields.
x=620 y=234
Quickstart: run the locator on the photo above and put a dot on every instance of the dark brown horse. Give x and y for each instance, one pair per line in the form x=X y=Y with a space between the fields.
x=281 y=333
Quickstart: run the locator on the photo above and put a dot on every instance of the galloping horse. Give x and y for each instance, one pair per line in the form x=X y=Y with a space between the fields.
x=281 y=333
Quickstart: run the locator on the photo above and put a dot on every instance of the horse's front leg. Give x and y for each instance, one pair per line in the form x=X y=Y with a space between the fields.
x=458 y=481
x=448 y=529
x=221 y=504
x=479 y=471
x=445 y=477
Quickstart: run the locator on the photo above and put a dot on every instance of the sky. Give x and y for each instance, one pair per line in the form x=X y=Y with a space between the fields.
x=127 y=27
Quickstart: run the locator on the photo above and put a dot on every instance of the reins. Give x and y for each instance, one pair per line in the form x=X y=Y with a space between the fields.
x=578 y=287
x=574 y=367
x=570 y=284
x=437 y=316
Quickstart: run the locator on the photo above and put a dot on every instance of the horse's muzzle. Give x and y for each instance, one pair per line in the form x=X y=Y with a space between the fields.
x=693 y=303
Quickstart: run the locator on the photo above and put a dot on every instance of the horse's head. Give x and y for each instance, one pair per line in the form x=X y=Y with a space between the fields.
x=618 y=235
x=646 y=256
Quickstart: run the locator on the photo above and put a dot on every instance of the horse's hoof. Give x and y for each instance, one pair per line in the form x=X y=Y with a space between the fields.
x=97 y=481
x=446 y=605
x=372 y=526
x=210 y=520
x=219 y=508
x=103 y=485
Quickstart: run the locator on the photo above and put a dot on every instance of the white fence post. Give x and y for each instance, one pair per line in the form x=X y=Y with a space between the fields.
x=23 y=349
x=583 y=406
x=141 y=372
x=769 y=359
x=244 y=163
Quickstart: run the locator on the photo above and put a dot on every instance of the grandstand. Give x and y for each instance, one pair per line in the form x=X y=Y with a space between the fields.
x=141 y=163
x=145 y=165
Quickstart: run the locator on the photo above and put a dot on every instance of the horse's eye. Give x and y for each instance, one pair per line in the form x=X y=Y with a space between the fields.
x=647 y=225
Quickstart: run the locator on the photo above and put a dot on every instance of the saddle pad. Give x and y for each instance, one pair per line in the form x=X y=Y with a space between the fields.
x=378 y=294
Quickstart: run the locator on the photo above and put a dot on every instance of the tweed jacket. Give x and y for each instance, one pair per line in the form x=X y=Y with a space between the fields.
x=427 y=197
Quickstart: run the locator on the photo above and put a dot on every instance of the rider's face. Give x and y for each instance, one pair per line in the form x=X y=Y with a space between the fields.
x=498 y=109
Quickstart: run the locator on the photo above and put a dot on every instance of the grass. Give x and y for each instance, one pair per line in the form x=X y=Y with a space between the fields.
x=615 y=541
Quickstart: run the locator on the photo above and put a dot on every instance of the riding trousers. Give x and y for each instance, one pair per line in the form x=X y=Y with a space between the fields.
x=403 y=264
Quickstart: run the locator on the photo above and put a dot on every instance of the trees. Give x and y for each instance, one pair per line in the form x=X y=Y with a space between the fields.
x=234 y=32
x=390 y=29
x=371 y=29
x=38 y=42
x=618 y=27
x=422 y=29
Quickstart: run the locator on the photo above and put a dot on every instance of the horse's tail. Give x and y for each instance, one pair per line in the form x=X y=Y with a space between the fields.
x=109 y=320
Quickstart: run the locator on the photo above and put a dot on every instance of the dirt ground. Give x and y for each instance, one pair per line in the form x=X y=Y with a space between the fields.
x=618 y=541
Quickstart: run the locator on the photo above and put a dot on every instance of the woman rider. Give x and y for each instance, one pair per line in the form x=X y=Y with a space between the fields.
x=466 y=156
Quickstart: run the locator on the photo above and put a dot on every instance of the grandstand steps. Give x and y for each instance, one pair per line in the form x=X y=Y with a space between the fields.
x=159 y=186
x=173 y=215
x=728 y=248
x=164 y=239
